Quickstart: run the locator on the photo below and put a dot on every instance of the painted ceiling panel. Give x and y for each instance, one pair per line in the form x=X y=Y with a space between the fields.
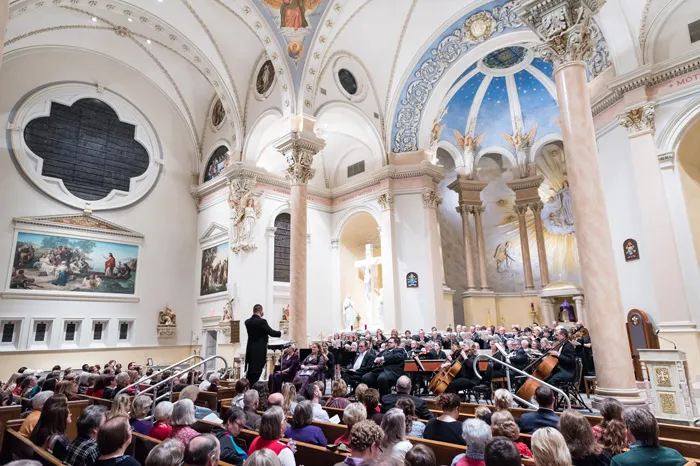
x=459 y=107
x=494 y=115
x=537 y=105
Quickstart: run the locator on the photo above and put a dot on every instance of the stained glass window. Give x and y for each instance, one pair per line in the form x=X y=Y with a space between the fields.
x=505 y=57
x=217 y=162
x=282 y=247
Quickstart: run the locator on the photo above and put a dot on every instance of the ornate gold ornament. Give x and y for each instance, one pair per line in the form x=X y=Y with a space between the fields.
x=667 y=402
x=385 y=201
x=638 y=119
x=663 y=377
x=478 y=27
x=431 y=199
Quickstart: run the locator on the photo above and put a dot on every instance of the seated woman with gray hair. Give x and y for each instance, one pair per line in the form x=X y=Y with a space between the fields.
x=354 y=413
x=140 y=408
x=161 y=428
x=476 y=434
x=167 y=453
x=182 y=420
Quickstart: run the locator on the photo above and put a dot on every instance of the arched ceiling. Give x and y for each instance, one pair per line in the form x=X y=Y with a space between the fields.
x=408 y=54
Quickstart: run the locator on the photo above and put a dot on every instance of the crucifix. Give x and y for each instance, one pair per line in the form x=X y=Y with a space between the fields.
x=367 y=266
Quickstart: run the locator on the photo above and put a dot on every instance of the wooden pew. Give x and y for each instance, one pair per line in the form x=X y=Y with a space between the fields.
x=306 y=453
x=8 y=413
x=75 y=408
x=225 y=393
x=97 y=401
x=16 y=447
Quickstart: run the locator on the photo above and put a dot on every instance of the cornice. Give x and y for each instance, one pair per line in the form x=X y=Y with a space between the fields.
x=645 y=76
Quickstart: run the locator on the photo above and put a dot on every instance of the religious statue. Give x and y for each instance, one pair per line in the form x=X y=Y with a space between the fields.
x=167 y=323
x=285 y=314
x=558 y=214
x=349 y=313
x=245 y=212
x=367 y=267
x=228 y=311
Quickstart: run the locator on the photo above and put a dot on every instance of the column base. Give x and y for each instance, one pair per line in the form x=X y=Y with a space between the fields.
x=628 y=397
x=686 y=336
x=479 y=307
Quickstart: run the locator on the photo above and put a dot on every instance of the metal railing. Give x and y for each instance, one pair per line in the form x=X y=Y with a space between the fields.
x=177 y=375
x=512 y=368
x=147 y=377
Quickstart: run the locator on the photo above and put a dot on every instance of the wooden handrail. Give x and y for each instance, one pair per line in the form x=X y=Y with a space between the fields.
x=12 y=437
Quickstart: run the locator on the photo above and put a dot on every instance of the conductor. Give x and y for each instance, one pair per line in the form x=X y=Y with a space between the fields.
x=256 y=349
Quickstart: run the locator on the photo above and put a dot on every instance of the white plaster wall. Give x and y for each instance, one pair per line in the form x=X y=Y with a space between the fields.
x=417 y=304
x=166 y=217
x=624 y=216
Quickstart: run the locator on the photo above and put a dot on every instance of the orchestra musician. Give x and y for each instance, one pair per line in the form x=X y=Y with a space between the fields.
x=362 y=364
x=567 y=359
x=466 y=379
x=388 y=367
x=434 y=351
x=289 y=365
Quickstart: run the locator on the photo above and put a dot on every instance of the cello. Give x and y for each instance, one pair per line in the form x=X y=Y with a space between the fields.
x=444 y=376
x=545 y=366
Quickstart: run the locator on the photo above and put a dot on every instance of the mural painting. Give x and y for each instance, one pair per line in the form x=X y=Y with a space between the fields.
x=214 y=269
x=47 y=262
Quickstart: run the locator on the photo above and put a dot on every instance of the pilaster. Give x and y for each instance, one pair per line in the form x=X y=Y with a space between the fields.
x=387 y=238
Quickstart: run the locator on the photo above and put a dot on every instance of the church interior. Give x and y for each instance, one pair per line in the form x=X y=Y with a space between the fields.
x=351 y=165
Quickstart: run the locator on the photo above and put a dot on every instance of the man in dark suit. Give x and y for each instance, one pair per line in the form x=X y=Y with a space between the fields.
x=362 y=364
x=388 y=367
x=543 y=417
x=567 y=359
x=403 y=390
x=256 y=349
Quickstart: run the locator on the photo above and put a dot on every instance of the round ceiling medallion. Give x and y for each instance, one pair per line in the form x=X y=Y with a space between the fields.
x=505 y=58
x=265 y=78
x=478 y=27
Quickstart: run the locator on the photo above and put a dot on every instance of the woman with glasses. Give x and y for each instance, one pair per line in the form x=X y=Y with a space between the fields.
x=233 y=448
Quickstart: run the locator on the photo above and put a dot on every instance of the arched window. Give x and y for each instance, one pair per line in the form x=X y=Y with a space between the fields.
x=282 y=238
x=217 y=162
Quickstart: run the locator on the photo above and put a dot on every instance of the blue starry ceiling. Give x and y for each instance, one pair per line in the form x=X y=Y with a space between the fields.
x=507 y=90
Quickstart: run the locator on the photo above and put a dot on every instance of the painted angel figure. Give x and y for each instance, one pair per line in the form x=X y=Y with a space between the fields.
x=469 y=145
x=236 y=213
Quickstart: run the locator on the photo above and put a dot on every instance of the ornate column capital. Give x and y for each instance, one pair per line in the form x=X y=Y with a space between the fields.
x=386 y=201
x=563 y=25
x=536 y=207
x=431 y=199
x=667 y=160
x=463 y=209
x=477 y=210
x=639 y=119
x=335 y=243
x=299 y=150
x=520 y=209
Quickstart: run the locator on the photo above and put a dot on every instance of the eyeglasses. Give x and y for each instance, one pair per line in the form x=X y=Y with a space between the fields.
x=240 y=424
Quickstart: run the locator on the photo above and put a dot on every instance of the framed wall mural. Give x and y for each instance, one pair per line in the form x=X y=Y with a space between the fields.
x=214 y=275
x=631 y=250
x=77 y=256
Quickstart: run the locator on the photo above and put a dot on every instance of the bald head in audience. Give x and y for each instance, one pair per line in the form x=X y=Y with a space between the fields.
x=202 y=450
x=275 y=399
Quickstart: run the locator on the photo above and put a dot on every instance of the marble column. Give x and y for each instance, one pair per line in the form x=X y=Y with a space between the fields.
x=464 y=209
x=547 y=310
x=390 y=282
x=580 y=311
x=566 y=35
x=521 y=211
x=536 y=208
x=299 y=149
x=481 y=247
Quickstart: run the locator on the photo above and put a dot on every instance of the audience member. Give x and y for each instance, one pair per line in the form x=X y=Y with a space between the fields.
x=544 y=416
x=360 y=390
x=83 y=450
x=202 y=450
x=30 y=421
x=394 y=427
x=420 y=455
x=100 y=384
x=233 y=449
x=182 y=420
x=242 y=385
x=549 y=448
x=263 y=389
x=483 y=413
x=275 y=399
x=476 y=434
x=371 y=400
x=500 y=451
x=121 y=406
x=161 y=428
x=84 y=382
x=191 y=392
x=403 y=390
x=50 y=430
x=643 y=430
x=289 y=393
x=339 y=392
x=353 y=414
x=140 y=408
x=250 y=407
x=365 y=438
x=166 y=453
x=612 y=432
x=121 y=381
x=584 y=449
x=312 y=393
x=503 y=425
x=113 y=439
x=263 y=457
x=446 y=428
x=502 y=399
x=414 y=427
x=69 y=389
x=301 y=429
x=213 y=383
x=272 y=427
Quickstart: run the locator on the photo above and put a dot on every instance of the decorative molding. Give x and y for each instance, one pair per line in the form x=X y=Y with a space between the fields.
x=638 y=119
x=536 y=207
x=215 y=233
x=299 y=150
x=667 y=160
x=386 y=201
x=431 y=199
x=79 y=223
x=520 y=209
x=66 y=296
